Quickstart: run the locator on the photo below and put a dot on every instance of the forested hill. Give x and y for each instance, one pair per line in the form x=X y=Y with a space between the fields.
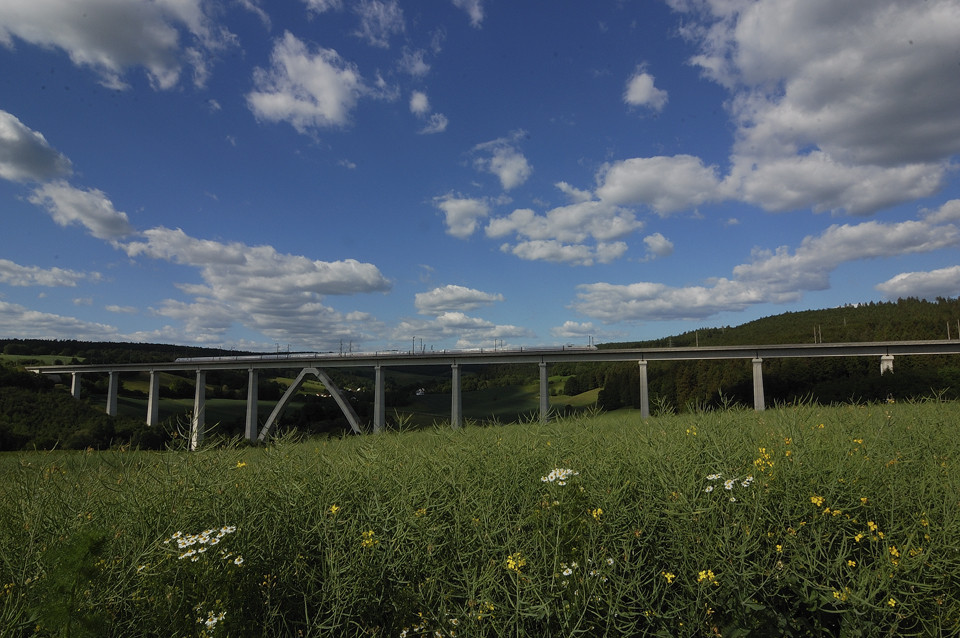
x=683 y=384
x=91 y=352
x=903 y=320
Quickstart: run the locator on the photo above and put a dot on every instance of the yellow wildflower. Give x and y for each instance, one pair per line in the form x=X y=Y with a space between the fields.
x=669 y=576
x=817 y=500
x=515 y=562
x=368 y=539
x=707 y=575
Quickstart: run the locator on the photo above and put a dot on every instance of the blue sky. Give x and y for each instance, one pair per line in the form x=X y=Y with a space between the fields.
x=318 y=174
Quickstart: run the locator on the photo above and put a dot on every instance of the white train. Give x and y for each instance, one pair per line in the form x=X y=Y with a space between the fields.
x=294 y=356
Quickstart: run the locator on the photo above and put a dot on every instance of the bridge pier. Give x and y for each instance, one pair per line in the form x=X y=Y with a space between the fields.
x=253 y=385
x=544 y=392
x=379 y=405
x=644 y=391
x=886 y=364
x=75 y=385
x=153 y=399
x=113 y=386
x=198 y=420
x=456 y=406
x=758 y=403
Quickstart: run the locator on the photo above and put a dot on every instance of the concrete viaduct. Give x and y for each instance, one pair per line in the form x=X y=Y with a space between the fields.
x=315 y=364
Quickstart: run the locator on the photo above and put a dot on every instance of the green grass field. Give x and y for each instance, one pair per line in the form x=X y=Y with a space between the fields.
x=797 y=521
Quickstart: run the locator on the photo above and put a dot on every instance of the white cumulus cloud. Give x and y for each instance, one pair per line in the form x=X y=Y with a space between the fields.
x=308 y=89
x=942 y=282
x=90 y=208
x=453 y=298
x=774 y=276
x=503 y=158
x=25 y=154
x=641 y=91
x=110 y=36
x=462 y=214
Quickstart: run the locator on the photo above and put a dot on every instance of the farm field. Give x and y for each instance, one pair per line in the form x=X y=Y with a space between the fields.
x=802 y=521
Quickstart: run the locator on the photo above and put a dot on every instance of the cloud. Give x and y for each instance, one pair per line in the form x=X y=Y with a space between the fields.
x=474 y=9
x=776 y=276
x=453 y=298
x=413 y=63
x=90 y=208
x=461 y=214
x=658 y=246
x=25 y=154
x=26 y=323
x=110 y=36
x=278 y=294
x=258 y=269
x=640 y=91
x=665 y=184
x=419 y=104
x=574 y=223
x=469 y=332
x=14 y=274
x=571 y=254
x=123 y=310
x=838 y=106
x=321 y=6
x=504 y=160
x=309 y=90
x=436 y=123
x=379 y=21
x=924 y=285
x=582 y=233
x=573 y=329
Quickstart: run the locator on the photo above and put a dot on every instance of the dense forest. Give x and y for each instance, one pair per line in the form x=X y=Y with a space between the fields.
x=34 y=413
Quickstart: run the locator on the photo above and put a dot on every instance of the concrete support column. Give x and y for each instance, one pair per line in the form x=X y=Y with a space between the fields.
x=379 y=401
x=250 y=425
x=113 y=387
x=886 y=364
x=75 y=385
x=758 y=403
x=644 y=392
x=153 y=399
x=544 y=392
x=197 y=423
x=456 y=407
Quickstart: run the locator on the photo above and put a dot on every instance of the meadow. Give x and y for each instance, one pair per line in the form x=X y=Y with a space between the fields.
x=802 y=520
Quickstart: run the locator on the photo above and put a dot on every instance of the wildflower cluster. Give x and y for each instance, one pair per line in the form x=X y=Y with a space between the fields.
x=729 y=484
x=707 y=576
x=559 y=476
x=210 y=622
x=367 y=539
x=423 y=628
x=195 y=545
x=764 y=462
x=516 y=562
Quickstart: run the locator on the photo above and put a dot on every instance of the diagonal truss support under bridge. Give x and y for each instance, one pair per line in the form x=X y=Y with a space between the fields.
x=331 y=387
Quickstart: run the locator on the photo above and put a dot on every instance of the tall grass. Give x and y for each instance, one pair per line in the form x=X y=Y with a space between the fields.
x=803 y=520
